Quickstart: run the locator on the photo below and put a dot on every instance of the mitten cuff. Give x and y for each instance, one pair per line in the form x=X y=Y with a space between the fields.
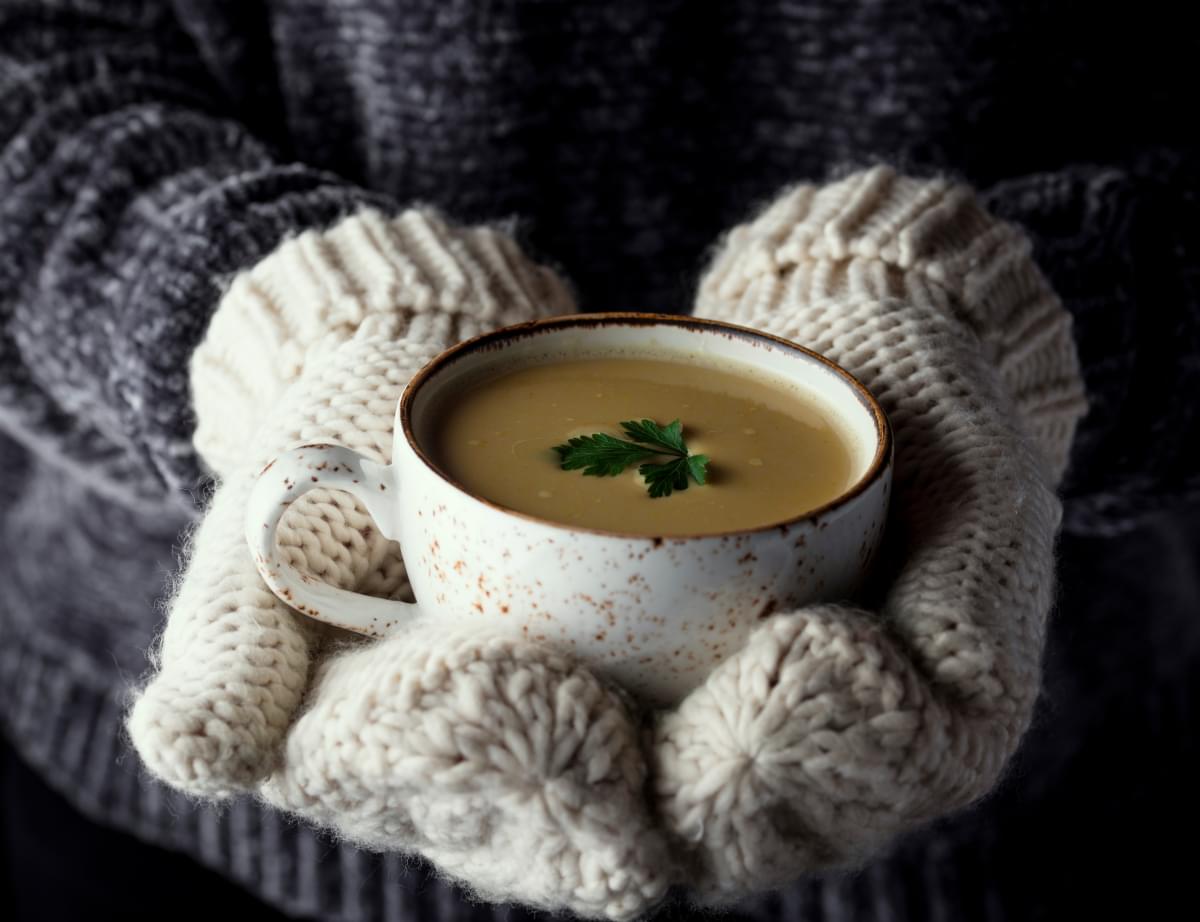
x=878 y=234
x=413 y=276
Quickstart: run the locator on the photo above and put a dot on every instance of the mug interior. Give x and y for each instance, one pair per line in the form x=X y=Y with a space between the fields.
x=784 y=365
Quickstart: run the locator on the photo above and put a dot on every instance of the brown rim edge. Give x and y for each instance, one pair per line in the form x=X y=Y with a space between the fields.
x=883 y=429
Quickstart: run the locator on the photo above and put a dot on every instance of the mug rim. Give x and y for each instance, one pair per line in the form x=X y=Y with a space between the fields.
x=880 y=462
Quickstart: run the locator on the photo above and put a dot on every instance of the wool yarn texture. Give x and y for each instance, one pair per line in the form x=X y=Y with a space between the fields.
x=839 y=726
x=510 y=766
x=512 y=769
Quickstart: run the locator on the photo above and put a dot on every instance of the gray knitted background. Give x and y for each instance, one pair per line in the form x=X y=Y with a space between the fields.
x=149 y=150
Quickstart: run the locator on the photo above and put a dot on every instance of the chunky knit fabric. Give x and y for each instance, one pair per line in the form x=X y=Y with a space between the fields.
x=518 y=772
x=513 y=769
x=234 y=659
x=841 y=725
x=151 y=151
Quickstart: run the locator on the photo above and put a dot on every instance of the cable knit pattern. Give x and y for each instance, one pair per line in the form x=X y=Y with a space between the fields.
x=835 y=728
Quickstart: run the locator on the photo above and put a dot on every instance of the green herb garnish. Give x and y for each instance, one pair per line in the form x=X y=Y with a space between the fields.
x=603 y=455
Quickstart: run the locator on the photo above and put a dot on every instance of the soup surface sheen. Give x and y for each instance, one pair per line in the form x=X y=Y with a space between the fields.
x=772 y=454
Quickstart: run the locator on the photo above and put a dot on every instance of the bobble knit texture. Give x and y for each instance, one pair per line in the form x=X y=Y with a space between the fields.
x=510 y=766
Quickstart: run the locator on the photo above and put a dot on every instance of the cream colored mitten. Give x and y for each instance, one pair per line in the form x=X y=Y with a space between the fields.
x=837 y=727
x=515 y=770
x=512 y=769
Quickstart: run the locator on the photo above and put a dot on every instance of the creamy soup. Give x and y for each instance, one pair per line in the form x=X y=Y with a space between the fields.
x=773 y=455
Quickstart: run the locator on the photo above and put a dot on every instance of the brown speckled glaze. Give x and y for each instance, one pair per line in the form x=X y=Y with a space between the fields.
x=654 y=613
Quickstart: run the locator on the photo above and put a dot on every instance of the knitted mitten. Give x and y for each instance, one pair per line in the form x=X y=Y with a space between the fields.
x=514 y=770
x=836 y=727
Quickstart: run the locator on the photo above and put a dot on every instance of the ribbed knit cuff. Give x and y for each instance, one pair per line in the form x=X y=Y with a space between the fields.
x=413 y=275
x=878 y=234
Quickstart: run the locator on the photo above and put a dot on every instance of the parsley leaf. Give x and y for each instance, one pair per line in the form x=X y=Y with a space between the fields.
x=603 y=455
x=600 y=455
x=698 y=468
x=669 y=438
x=661 y=479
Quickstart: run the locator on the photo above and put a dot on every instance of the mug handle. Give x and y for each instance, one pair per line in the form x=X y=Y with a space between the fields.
x=282 y=482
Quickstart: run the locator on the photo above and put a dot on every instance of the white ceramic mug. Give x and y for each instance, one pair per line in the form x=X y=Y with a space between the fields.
x=656 y=614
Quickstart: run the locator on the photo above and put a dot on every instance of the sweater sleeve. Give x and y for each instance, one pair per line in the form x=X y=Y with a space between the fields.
x=1121 y=246
x=128 y=196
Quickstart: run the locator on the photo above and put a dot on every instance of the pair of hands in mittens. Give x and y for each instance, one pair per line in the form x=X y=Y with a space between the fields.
x=511 y=766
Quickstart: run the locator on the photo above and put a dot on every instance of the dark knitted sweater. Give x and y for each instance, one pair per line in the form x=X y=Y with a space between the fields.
x=150 y=150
